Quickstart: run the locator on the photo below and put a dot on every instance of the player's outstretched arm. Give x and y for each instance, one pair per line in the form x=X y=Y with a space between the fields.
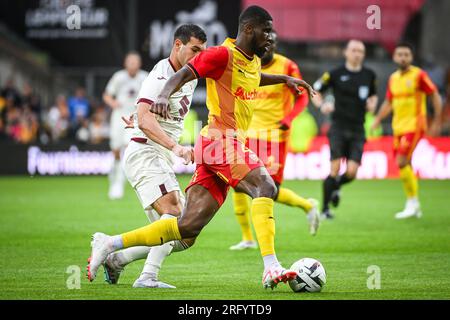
x=294 y=83
x=175 y=82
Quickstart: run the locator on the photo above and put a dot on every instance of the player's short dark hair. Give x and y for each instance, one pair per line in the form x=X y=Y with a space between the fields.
x=404 y=44
x=186 y=31
x=255 y=15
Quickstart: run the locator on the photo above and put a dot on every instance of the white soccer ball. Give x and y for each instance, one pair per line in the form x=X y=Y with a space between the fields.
x=311 y=276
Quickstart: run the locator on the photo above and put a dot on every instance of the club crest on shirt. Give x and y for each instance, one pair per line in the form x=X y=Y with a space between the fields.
x=240 y=62
x=363 y=92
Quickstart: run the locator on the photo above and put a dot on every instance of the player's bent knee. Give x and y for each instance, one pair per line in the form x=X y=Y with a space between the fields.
x=268 y=189
x=190 y=229
x=402 y=162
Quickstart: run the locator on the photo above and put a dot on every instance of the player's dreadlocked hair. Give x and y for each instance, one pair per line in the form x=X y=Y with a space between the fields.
x=186 y=31
x=255 y=15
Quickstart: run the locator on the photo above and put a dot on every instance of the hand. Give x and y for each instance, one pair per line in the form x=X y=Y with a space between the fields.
x=161 y=107
x=327 y=107
x=435 y=128
x=129 y=122
x=294 y=83
x=187 y=153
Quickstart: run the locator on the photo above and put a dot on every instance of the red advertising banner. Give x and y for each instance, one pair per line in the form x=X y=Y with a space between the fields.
x=319 y=20
x=431 y=160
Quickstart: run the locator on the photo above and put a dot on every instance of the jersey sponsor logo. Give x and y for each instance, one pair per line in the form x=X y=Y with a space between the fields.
x=345 y=77
x=363 y=92
x=240 y=93
x=269 y=95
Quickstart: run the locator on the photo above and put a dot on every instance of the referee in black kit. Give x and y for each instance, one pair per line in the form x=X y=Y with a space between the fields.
x=354 y=90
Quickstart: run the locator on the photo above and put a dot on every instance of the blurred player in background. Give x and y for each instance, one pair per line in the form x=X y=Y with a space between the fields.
x=268 y=136
x=406 y=98
x=354 y=91
x=148 y=161
x=120 y=94
x=233 y=73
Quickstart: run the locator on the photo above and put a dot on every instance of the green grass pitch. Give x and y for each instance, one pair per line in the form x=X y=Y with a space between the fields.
x=46 y=225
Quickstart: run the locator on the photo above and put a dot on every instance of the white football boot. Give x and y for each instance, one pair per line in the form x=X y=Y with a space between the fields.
x=144 y=281
x=313 y=216
x=276 y=274
x=412 y=209
x=243 y=245
x=101 y=247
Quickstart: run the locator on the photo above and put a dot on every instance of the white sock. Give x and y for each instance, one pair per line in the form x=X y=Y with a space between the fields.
x=116 y=242
x=129 y=255
x=270 y=261
x=412 y=201
x=157 y=255
x=155 y=259
x=120 y=175
x=113 y=173
x=116 y=175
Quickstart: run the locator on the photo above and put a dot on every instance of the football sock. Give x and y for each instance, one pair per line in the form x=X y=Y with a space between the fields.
x=129 y=255
x=290 y=198
x=157 y=255
x=409 y=180
x=114 y=171
x=154 y=234
x=264 y=223
x=270 y=260
x=242 y=213
x=343 y=179
x=155 y=259
x=329 y=185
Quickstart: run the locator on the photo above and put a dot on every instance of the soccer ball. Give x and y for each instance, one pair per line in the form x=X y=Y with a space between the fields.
x=311 y=276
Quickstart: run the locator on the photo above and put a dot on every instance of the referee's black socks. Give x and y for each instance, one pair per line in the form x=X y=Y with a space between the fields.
x=343 y=179
x=329 y=185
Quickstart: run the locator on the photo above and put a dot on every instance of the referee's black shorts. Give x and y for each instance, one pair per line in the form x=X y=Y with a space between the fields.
x=346 y=142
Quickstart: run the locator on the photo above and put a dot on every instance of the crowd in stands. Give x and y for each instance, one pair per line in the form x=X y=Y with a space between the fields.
x=73 y=118
x=77 y=118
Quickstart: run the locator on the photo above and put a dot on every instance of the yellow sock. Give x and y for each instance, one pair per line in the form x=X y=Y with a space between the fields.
x=154 y=234
x=409 y=180
x=242 y=212
x=264 y=223
x=292 y=199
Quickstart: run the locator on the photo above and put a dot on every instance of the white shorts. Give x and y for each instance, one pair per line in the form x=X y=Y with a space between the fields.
x=150 y=174
x=119 y=136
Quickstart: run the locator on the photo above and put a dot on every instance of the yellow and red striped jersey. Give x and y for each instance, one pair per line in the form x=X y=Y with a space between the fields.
x=232 y=80
x=407 y=93
x=276 y=104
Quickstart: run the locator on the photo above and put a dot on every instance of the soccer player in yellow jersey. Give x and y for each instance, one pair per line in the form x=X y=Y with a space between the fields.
x=268 y=134
x=406 y=98
x=233 y=75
